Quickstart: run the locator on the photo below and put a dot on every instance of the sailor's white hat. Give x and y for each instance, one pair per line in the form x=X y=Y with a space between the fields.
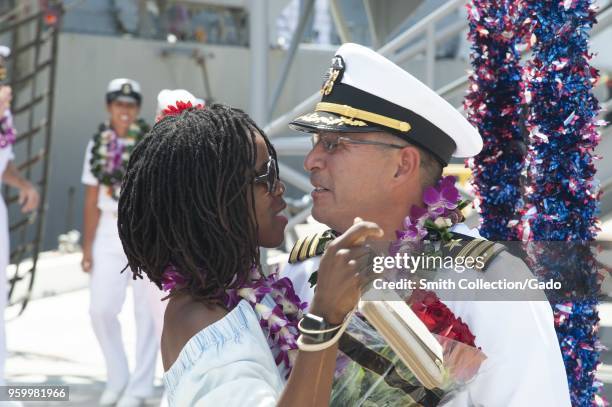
x=4 y=51
x=365 y=92
x=123 y=89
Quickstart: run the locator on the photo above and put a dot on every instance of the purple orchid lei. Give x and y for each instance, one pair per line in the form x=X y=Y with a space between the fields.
x=431 y=223
x=8 y=134
x=279 y=322
x=111 y=153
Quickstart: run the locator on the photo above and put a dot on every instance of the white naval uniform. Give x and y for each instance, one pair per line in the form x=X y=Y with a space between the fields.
x=6 y=155
x=108 y=289
x=524 y=366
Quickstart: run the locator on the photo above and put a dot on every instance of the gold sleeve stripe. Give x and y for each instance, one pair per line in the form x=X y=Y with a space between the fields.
x=296 y=249
x=492 y=252
x=481 y=248
x=312 y=249
x=468 y=247
x=304 y=248
x=308 y=246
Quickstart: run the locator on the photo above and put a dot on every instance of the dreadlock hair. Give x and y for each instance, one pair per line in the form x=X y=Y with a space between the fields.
x=186 y=200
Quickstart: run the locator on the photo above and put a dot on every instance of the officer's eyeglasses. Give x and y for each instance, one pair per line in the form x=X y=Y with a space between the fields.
x=270 y=177
x=331 y=142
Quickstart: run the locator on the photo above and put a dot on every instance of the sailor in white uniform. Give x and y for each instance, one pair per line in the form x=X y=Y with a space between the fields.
x=104 y=259
x=380 y=136
x=28 y=196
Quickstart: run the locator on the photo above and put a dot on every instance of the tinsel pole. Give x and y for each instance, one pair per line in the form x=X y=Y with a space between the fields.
x=562 y=197
x=493 y=105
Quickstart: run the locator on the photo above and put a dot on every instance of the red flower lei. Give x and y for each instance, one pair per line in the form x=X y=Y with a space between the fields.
x=438 y=318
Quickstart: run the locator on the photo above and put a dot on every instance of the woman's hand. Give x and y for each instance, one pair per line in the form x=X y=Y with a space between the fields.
x=341 y=272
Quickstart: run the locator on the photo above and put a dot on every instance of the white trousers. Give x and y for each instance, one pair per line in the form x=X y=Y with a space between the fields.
x=108 y=289
x=4 y=261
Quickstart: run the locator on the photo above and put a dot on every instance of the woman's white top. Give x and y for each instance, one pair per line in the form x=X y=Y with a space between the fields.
x=228 y=363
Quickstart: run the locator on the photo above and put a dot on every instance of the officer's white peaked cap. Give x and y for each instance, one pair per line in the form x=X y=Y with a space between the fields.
x=364 y=92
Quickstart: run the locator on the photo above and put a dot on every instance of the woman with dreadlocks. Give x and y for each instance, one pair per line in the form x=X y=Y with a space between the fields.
x=200 y=195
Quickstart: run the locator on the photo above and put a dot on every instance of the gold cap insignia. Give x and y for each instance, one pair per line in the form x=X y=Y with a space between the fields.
x=126 y=89
x=333 y=74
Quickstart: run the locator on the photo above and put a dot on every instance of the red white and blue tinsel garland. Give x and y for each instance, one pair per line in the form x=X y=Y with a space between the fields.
x=562 y=197
x=493 y=105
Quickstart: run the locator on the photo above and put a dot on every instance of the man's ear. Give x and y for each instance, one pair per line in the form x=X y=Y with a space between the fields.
x=409 y=161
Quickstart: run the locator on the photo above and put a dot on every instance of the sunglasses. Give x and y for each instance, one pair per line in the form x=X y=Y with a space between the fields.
x=270 y=177
x=331 y=142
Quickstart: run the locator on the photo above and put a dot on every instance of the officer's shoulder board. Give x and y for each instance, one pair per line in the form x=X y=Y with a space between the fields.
x=462 y=245
x=310 y=246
